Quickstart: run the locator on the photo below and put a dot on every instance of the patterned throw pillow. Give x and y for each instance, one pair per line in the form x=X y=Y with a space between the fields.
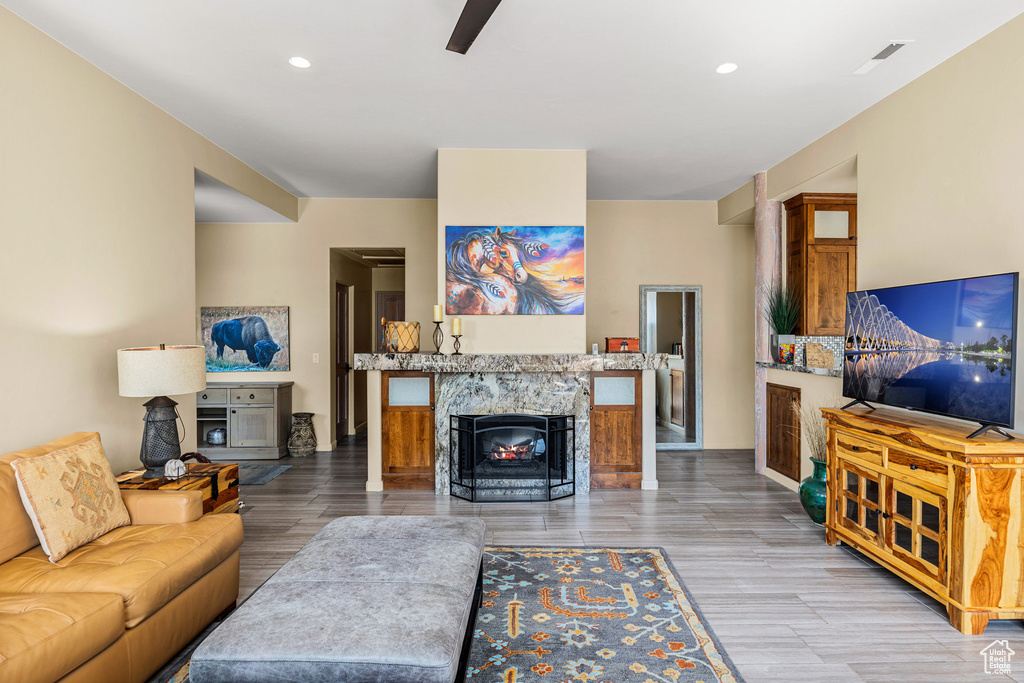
x=71 y=496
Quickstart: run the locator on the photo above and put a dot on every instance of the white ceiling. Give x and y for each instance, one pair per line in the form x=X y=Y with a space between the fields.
x=632 y=81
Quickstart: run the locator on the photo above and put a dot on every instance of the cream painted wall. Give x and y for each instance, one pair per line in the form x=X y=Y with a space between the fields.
x=388 y=279
x=938 y=171
x=630 y=244
x=512 y=187
x=253 y=264
x=290 y=264
x=97 y=226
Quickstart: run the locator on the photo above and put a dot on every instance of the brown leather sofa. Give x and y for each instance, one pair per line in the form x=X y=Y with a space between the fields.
x=116 y=609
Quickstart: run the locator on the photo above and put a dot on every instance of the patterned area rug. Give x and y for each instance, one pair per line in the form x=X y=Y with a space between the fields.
x=599 y=615
x=602 y=615
x=254 y=475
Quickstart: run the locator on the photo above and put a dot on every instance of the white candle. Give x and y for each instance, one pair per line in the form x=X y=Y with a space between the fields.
x=437 y=313
x=456 y=325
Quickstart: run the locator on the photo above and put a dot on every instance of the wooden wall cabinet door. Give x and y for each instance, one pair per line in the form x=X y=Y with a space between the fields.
x=784 y=430
x=831 y=273
x=821 y=258
x=407 y=438
x=616 y=459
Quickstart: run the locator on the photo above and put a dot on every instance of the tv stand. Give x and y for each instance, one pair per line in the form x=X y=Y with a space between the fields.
x=942 y=511
x=987 y=427
x=855 y=402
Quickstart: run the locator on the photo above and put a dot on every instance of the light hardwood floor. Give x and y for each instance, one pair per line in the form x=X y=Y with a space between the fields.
x=786 y=606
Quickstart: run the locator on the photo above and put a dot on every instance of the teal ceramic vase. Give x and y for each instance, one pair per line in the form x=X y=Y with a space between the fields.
x=813 y=494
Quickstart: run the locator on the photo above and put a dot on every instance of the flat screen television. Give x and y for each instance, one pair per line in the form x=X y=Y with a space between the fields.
x=939 y=347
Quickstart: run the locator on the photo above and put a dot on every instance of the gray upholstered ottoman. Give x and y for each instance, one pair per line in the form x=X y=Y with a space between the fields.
x=367 y=599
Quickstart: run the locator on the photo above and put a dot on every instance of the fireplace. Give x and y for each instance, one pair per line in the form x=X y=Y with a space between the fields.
x=512 y=457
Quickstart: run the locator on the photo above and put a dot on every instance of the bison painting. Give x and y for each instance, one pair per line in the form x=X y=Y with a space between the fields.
x=261 y=335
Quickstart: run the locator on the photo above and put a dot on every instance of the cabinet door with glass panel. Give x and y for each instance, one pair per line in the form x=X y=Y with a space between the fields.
x=916 y=530
x=860 y=501
x=902 y=520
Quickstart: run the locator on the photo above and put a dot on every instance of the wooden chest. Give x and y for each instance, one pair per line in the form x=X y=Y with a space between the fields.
x=217 y=481
x=622 y=344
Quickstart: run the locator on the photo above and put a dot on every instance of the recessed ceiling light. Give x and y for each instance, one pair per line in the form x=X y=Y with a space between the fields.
x=300 y=62
x=726 y=68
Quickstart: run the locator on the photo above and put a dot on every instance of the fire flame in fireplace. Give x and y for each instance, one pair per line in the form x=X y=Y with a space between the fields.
x=520 y=452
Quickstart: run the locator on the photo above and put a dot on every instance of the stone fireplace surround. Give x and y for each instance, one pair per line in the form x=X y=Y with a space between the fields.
x=545 y=384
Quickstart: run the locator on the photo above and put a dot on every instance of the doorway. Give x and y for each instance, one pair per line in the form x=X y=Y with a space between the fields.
x=388 y=306
x=342 y=367
x=670 y=323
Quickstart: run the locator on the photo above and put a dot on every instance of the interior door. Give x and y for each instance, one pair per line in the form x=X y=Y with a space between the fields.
x=341 y=365
x=615 y=430
x=390 y=306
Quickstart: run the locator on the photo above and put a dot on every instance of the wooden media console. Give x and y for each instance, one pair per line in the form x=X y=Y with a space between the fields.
x=939 y=510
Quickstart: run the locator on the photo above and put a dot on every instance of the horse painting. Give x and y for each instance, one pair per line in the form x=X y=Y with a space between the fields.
x=525 y=270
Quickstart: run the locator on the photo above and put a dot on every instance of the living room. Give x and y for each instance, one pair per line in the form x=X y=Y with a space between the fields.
x=103 y=252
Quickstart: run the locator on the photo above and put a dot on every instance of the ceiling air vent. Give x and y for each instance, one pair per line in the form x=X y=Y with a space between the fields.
x=886 y=52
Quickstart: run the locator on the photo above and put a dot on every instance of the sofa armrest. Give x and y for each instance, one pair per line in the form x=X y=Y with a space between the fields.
x=163 y=507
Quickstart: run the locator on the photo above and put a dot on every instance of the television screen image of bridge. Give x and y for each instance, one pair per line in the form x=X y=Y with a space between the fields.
x=938 y=374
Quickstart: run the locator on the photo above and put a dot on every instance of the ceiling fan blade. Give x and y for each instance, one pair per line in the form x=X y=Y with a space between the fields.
x=474 y=15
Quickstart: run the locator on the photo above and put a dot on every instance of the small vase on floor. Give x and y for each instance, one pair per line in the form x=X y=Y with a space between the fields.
x=813 y=495
x=302 y=440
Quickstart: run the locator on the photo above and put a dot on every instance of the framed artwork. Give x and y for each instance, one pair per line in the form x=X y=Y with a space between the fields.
x=514 y=270
x=245 y=338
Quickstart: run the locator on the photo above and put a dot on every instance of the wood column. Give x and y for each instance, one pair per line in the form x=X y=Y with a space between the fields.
x=767 y=272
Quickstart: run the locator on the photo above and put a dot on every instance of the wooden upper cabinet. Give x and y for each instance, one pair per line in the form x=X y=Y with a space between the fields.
x=821 y=258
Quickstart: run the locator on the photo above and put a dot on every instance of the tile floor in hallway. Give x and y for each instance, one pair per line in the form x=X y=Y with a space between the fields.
x=786 y=606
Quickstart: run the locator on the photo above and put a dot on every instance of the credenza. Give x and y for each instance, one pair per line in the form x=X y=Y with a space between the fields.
x=255 y=418
x=942 y=511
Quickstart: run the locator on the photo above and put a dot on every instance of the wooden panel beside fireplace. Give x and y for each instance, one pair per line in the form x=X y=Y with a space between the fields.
x=407 y=437
x=616 y=460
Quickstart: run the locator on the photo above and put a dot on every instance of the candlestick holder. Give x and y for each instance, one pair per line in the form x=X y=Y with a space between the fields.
x=438 y=339
x=456 y=344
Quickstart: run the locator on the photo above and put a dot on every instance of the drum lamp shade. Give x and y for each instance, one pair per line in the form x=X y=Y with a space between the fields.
x=156 y=371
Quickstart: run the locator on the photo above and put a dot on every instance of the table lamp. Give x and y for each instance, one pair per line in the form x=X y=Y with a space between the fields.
x=160 y=371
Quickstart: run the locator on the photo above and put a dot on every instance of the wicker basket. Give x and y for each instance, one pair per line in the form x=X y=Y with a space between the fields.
x=403 y=337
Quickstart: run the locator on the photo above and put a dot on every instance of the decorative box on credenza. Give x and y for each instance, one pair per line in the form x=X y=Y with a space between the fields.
x=940 y=510
x=251 y=419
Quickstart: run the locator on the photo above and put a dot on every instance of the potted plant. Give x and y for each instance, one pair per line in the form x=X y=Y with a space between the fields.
x=782 y=311
x=813 y=494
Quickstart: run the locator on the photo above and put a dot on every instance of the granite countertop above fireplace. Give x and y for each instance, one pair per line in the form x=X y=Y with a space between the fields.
x=511 y=362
